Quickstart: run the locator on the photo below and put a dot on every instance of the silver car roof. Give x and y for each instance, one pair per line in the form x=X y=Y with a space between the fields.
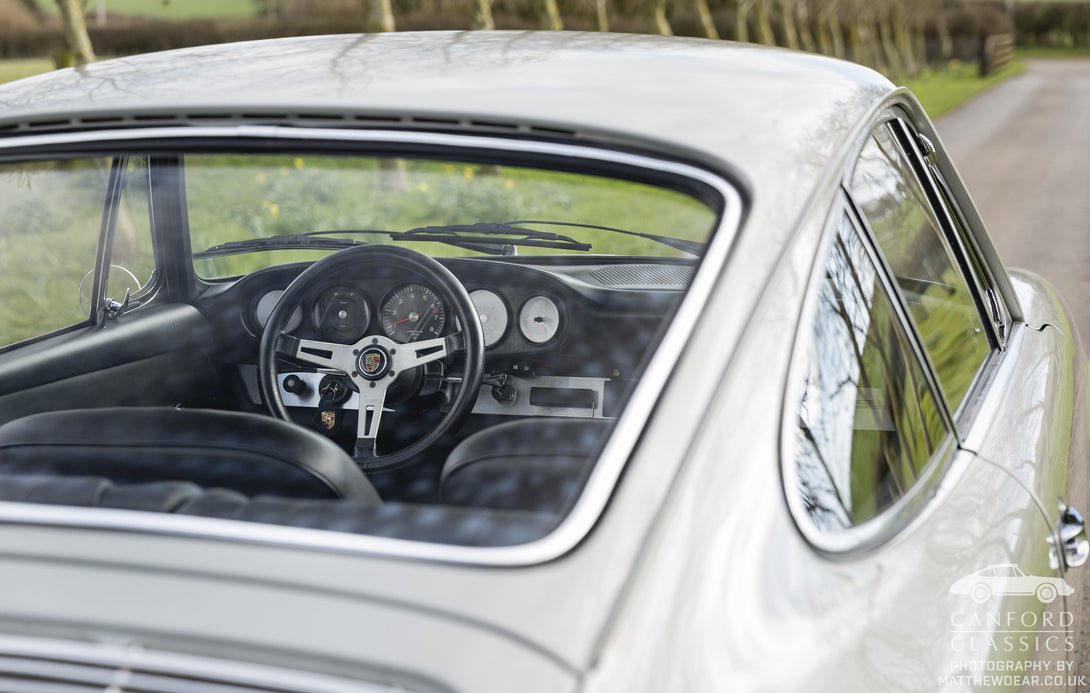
x=753 y=109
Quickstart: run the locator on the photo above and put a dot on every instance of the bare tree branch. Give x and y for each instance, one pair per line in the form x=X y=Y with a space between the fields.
x=75 y=32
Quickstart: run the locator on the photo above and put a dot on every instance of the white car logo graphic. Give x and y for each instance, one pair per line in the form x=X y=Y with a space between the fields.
x=1008 y=578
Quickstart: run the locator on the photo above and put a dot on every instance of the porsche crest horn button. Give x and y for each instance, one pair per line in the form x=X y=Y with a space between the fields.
x=374 y=362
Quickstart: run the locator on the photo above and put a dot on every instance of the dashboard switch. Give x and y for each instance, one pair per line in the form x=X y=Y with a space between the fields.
x=295 y=385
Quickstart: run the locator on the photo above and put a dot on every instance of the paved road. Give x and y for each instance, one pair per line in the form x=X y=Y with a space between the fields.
x=1024 y=152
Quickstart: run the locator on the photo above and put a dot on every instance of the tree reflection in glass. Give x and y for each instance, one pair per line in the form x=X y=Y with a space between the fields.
x=867 y=419
x=911 y=239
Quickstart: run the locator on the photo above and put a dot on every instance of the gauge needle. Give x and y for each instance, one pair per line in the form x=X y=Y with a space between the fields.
x=544 y=328
x=412 y=316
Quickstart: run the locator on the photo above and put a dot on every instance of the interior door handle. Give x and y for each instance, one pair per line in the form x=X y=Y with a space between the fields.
x=1075 y=546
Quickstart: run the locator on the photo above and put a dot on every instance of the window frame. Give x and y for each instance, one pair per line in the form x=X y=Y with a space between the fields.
x=977 y=273
x=728 y=193
x=993 y=295
x=892 y=519
x=100 y=262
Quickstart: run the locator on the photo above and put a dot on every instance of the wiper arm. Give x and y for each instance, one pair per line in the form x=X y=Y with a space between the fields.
x=494 y=238
x=484 y=236
x=301 y=241
x=685 y=246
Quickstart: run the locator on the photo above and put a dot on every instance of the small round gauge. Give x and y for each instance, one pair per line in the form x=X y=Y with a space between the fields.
x=539 y=319
x=413 y=312
x=264 y=308
x=341 y=314
x=493 y=313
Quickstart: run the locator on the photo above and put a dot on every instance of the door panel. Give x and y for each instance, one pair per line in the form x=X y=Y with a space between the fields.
x=158 y=356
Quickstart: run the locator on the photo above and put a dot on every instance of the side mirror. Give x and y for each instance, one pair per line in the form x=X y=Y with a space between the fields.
x=121 y=280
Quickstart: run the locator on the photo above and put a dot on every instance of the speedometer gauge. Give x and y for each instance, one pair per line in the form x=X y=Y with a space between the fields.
x=539 y=319
x=341 y=314
x=413 y=312
x=493 y=313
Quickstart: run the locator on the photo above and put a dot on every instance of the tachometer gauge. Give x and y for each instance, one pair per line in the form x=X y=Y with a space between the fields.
x=413 y=312
x=539 y=319
x=493 y=313
x=264 y=308
x=341 y=314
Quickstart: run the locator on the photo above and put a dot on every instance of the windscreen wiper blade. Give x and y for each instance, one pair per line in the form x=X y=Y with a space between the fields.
x=684 y=245
x=301 y=241
x=484 y=236
x=488 y=238
x=494 y=238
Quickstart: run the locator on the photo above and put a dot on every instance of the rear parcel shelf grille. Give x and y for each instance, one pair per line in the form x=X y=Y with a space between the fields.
x=33 y=665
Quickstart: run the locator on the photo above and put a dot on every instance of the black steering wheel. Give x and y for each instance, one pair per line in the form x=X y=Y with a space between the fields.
x=373 y=362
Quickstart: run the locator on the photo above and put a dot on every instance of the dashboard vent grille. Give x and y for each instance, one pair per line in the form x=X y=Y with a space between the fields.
x=33 y=665
x=643 y=276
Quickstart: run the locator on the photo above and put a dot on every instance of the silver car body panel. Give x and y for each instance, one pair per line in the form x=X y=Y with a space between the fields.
x=695 y=577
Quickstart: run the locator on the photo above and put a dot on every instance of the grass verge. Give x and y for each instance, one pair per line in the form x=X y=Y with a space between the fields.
x=185 y=9
x=941 y=91
x=17 y=68
x=1020 y=53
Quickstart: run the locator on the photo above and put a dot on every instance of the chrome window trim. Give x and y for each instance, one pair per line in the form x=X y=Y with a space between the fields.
x=888 y=522
x=990 y=400
x=964 y=251
x=978 y=274
x=901 y=103
x=619 y=447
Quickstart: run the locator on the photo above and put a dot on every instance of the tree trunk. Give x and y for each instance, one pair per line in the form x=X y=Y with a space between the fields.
x=662 y=24
x=75 y=32
x=706 y=22
x=380 y=16
x=889 y=46
x=806 y=29
x=903 y=28
x=872 y=45
x=790 y=31
x=946 y=41
x=483 y=17
x=764 y=24
x=551 y=16
x=602 y=14
x=741 y=22
x=856 y=44
x=831 y=21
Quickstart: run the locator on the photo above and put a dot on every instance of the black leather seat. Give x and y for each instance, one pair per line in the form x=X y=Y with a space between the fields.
x=247 y=453
x=529 y=464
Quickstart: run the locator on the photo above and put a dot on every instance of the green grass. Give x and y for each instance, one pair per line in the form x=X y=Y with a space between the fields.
x=236 y=198
x=941 y=91
x=168 y=9
x=1022 y=53
x=17 y=68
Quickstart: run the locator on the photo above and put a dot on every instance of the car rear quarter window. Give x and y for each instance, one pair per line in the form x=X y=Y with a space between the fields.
x=911 y=238
x=867 y=421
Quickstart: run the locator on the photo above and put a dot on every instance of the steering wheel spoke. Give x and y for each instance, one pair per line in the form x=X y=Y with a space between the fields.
x=419 y=353
x=316 y=353
x=370 y=418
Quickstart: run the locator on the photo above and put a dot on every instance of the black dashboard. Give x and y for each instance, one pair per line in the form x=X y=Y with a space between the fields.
x=564 y=336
